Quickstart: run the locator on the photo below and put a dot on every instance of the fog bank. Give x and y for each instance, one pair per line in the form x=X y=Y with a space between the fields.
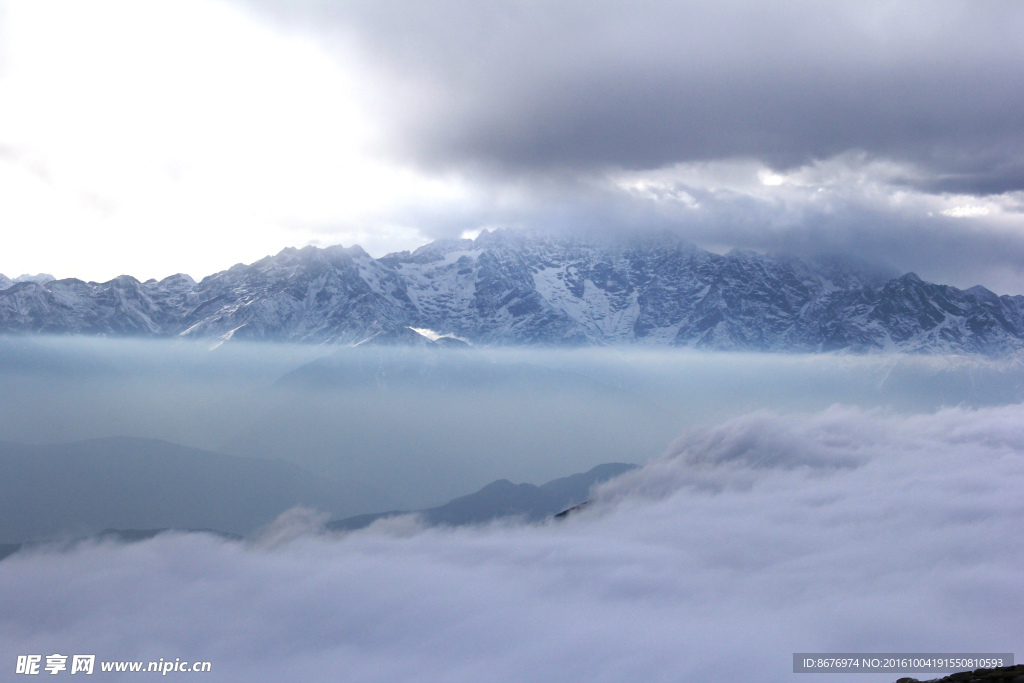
x=421 y=427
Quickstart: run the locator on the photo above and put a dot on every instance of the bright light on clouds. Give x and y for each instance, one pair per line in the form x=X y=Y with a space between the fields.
x=969 y=211
x=162 y=136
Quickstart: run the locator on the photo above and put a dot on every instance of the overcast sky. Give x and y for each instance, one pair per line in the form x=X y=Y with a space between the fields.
x=155 y=137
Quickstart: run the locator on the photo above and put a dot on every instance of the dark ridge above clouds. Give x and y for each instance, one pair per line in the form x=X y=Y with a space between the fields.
x=999 y=674
x=503 y=500
x=511 y=288
x=127 y=490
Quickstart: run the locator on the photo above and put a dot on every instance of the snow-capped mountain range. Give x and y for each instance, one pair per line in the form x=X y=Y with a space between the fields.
x=506 y=287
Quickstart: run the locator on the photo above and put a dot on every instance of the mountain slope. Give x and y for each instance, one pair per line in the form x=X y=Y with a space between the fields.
x=505 y=287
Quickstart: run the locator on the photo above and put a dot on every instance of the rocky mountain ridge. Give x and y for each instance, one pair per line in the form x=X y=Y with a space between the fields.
x=506 y=287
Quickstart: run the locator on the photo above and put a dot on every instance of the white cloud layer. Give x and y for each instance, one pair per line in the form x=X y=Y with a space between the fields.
x=843 y=530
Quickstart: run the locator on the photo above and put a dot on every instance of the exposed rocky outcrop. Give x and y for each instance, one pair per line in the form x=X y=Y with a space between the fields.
x=1002 y=674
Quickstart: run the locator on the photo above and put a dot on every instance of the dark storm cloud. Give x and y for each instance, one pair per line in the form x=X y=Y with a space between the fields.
x=914 y=237
x=522 y=86
x=862 y=213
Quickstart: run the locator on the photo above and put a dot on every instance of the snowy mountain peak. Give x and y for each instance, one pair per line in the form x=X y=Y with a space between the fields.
x=40 y=278
x=507 y=287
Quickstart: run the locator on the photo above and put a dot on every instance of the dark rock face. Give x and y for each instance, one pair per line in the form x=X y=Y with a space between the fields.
x=1003 y=674
x=508 y=288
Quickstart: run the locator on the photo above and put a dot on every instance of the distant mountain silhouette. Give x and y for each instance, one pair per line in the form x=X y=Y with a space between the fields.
x=66 y=490
x=498 y=500
x=503 y=499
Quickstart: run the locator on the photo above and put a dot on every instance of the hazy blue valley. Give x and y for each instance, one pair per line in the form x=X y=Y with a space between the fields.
x=109 y=433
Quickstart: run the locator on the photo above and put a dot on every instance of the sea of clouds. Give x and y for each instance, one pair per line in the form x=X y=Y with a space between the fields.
x=835 y=530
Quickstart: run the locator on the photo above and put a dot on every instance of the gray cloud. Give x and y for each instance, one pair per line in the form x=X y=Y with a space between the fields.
x=843 y=206
x=884 y=225
x=582 y=85
x=667 y=579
